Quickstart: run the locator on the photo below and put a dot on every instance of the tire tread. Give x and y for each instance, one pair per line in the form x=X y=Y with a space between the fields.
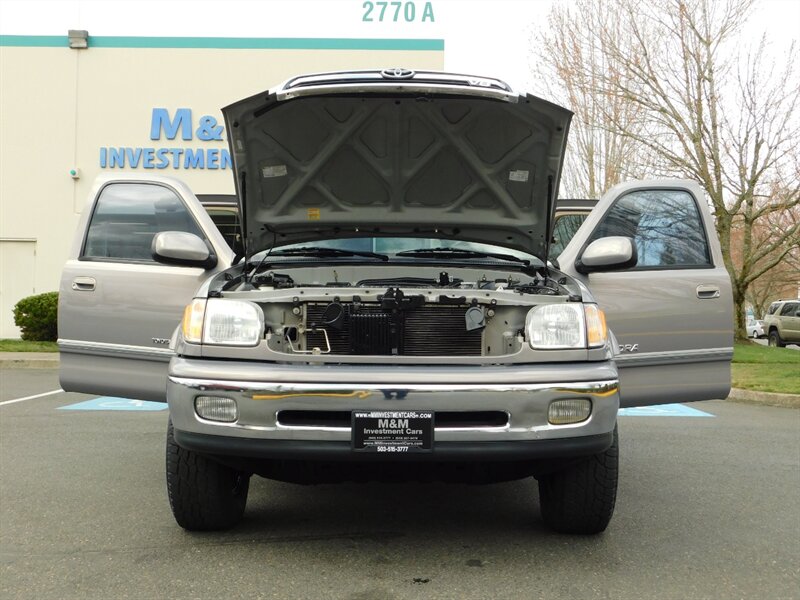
x=204 y=495
x=581 y=498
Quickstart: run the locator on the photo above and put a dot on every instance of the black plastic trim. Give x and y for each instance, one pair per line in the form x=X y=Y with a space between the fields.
x=567 y=447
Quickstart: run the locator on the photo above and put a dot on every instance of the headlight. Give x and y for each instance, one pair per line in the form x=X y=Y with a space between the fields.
x=564 y=326
x=556 y=326
x=232 y=323
x=223 y=322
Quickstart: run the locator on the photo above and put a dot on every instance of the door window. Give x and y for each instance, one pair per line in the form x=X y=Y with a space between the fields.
x=789 y=309
x=664 y=224
x=127 y=216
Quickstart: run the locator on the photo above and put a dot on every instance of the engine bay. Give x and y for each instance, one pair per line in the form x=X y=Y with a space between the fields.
x=364 y=311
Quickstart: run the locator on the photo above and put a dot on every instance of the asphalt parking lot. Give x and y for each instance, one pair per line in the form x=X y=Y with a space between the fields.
x=707 y=508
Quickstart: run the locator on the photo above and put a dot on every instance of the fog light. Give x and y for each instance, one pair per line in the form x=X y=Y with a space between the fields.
x=564 y=412
x=216 y=408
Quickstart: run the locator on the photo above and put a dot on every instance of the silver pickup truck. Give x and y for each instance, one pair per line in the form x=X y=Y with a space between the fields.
x=393 y=314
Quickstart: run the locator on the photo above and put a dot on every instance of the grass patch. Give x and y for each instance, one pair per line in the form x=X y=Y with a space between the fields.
x=23 y=346
x=765 y=369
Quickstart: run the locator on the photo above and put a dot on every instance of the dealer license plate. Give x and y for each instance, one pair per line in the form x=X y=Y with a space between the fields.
x=393 y=431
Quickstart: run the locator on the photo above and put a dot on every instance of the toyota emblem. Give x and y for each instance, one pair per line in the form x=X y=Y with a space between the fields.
x=397 y=73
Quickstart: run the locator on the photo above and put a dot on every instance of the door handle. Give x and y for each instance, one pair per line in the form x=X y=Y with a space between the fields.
x=83 y=284
x=707 y=291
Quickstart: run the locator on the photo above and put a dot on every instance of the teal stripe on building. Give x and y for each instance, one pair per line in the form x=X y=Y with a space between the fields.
x=227 y=43
x=35 y=41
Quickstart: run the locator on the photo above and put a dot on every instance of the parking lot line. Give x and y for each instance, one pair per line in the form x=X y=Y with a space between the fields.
x=58 y=391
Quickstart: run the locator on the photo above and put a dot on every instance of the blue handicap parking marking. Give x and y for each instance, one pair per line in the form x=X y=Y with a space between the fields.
x=110 y=403
x=663 y=410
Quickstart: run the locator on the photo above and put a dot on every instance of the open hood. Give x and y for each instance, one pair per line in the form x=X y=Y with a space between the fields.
x=397 y=153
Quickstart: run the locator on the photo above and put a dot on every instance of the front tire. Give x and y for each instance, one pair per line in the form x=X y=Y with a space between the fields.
x=775 y=339
x=204 y=495
x=580 y=498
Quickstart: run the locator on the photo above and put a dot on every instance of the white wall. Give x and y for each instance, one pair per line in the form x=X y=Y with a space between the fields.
x=59 y=106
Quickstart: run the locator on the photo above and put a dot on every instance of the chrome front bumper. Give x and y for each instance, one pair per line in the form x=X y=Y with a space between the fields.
x=262 y=391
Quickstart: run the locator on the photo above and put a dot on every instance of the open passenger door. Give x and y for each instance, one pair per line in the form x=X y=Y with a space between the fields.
x=671 y=313
x=119 y=306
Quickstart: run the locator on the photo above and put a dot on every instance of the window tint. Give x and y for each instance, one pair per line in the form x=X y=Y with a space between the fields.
x=789 y=309
x=564 y=230
x=772 y=308
x=665 y=225
x=128 y=215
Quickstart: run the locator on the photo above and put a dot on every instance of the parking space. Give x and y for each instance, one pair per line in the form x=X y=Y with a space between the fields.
x=707 y=507
x=21 y=383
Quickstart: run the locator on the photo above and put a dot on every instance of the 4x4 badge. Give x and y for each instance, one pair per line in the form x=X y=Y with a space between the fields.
x=397 y=73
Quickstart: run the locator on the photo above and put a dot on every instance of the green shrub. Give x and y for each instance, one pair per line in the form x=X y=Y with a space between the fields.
x=37 y=317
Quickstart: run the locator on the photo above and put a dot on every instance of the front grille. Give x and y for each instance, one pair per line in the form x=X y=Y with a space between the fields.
x=440 y=331
x=371 y=333
x=443 y=419
x=429 y=330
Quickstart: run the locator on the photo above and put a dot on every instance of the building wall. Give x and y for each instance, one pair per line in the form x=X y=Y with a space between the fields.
x=60 y=106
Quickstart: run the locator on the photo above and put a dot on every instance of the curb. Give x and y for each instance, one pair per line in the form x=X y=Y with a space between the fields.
x=764 y=398
x=29 y=360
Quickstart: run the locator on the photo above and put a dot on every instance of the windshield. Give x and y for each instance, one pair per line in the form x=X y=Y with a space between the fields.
x=393 y=245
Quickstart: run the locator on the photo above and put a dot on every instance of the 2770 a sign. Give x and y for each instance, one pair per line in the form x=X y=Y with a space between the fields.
x=395 y=11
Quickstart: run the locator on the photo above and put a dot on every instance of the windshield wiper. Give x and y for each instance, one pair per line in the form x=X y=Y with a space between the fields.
x=460 y=253
x=326 y=252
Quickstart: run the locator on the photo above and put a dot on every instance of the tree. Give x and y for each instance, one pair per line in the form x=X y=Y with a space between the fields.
x=782 y=280
x=706 y=109
x=599 y=156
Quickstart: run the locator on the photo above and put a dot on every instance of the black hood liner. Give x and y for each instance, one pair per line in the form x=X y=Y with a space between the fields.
x=389 y=163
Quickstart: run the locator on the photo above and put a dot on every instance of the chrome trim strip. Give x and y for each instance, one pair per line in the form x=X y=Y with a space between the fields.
x=673 y=357
x=377 y=77
x=117 y=350
x=398 y=87
x=281 y=391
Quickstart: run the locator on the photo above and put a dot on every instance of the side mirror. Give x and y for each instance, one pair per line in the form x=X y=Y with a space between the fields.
x=611 y=253
x=181 y=248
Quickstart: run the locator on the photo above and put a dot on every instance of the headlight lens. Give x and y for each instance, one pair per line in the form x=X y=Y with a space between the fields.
x=232 y=323
x=556 y=326
x=565 y=326
x=223 y=322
